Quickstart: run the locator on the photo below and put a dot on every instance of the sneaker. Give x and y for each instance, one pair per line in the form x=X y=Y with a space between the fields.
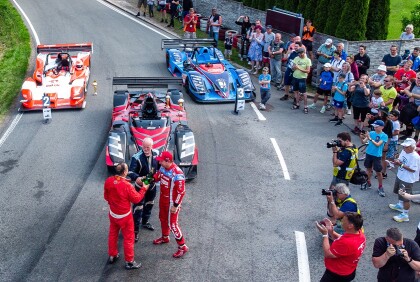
x=384 y=176
x=255 y=72
x=305 y=110
x=381 y=192
x=339 y=122
x=396 y=207
x=161 y=240
x=144 y=14
x=148 y=225
x=312 y=106
x=349 y=112
x=284 y=98
x=280 y=88
x=181 y=251
x=402 y=217
x=138 y=14
x=356 y=131
x=136 y=237
x=323 y=109
x=365 y=186
x=334 y=119
x=113 y=259
x=132 y=265
x=262 y=107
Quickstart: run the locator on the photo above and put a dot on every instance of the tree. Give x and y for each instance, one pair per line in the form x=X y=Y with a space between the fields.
x=302 y=6
x=309 y=12
x=352 y=24
x=280 y=4
x=291 y=5
x=247 y=3
x=334 y=15
x=414 y=20
x=321 y=14
x=270 y=4
x=261 y=5
x=255 y=4
x=378 y=16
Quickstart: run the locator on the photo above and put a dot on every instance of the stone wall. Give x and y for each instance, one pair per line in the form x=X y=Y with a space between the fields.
x=376 y=49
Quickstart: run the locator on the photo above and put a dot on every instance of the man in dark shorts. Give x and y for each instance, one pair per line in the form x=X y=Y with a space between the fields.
x=139 y=5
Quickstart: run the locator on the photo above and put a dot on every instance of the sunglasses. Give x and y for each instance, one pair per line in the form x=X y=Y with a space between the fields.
x=387 y=80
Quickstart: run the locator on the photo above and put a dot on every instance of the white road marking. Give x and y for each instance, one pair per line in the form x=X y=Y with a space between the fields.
x=302 y=254
x=11 y=127
x=259 y=114
x=19 y=115
x=132 y=18
x=281 y=159
x=29 y=23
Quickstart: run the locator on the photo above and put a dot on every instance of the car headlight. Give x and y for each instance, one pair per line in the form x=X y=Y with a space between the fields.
x=198 y=83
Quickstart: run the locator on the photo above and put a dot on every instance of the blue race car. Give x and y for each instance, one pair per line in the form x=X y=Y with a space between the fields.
x=206 y=75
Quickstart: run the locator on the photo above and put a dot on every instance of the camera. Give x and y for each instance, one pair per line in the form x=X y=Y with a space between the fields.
x=398 y=252
x=328 y=192
x=334 y=143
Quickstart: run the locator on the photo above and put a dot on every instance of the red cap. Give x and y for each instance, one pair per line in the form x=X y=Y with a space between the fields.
x=165 y=156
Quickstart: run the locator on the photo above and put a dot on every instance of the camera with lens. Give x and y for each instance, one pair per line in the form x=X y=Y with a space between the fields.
x=334 y=143
x=328 y=192
x=398 y=252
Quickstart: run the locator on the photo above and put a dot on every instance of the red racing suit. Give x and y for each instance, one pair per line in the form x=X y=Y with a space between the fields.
x=119 y=194
x=172 y=191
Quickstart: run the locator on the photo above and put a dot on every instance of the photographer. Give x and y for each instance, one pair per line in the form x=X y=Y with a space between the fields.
x=396 y=257
x=339 y=201
x=343 y=255
x=344 y=159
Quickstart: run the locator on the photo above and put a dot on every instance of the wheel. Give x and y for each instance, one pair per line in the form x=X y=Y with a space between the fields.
x=167 y=60
x=187 y=86
x=361 y=156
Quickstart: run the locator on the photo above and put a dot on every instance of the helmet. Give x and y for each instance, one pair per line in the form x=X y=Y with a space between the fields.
x=79 y=65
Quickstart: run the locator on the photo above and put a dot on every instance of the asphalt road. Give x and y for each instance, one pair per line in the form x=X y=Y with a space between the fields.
x=239 y=215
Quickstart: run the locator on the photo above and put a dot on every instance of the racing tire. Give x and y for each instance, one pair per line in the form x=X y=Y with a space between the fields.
x=187 y=86
x=361 y=156
x=167 y=59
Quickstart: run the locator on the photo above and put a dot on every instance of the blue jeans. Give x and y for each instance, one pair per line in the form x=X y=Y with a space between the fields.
x=265 y=95
x=275 y=69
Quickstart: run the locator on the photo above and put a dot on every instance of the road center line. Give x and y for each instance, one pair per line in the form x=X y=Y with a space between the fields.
x=302 y=254
x=259 y=114
x=281 y=159
x=132 y=18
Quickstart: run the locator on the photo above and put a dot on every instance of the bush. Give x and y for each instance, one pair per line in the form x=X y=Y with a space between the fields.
x=309 y=12
x=334 y=14
x=414 y=20
x=291 y=5
x=352 y=24
x=378 y=16
x=321 y=14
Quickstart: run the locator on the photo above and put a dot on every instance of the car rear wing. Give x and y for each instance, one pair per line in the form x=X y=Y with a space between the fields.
x=59 y=48
x=185 y=43
x=147 y=82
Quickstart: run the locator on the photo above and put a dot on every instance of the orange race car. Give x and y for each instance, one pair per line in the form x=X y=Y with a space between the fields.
x=60 y=79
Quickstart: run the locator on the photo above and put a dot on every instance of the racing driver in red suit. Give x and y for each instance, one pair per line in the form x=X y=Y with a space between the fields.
x=172 y=190
x=119 y=194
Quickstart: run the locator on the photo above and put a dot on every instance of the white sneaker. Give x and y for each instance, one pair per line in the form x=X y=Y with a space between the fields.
x=262 y=107
x=402 y=217
x=312 y=106
x=249 y=62
x=348 y=111
x=323 y=109
x=396 y=207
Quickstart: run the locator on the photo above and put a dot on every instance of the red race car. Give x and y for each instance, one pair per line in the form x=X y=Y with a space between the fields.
x=159 y=114
x=60 y=79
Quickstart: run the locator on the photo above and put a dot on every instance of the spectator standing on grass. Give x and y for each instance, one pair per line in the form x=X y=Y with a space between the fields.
x=362 y=60
x=308 y=38
x=190 y=24
x=391 y=61
x=275 y=51
x=248 y=37
x=173 y=9
x=245 y=24
x=255 y=50
x=264 y=80
x=407 y=175
x=408 y=33
x=186 y=6
x=141 y=3
x=268 y=38
x=228 y=45
x=162 y=8
x=151 y=4
x=325 y=54
x=259 y=24
x=214 y=23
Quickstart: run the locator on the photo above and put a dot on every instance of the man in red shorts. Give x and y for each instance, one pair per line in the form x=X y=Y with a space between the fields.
x=342 y=257
x=119 y=194
x=172 y=191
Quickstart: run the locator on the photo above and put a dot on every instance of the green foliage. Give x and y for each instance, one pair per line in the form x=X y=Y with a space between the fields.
x=15 y=51
x=291 y=5
x=302 y=6
x=280 y=3
x=261 y=5
x=334 y=14
x=321 y=14
x=414 y=20
x=309 y=12
x=255 y=4
x=247 y=3
x=352 y=24
x=378 y=19
x=270 y=4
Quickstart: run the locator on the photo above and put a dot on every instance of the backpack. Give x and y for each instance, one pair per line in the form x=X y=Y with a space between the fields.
x=359 y=176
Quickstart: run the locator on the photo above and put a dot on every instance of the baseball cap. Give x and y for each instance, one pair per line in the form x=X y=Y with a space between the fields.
x=269 y=27
x=293 y=35
x=300 y=50
x=165 y=156
x=382 y=68
x=265 y=69
x=328 y=41
x=327 y=65
x=395 y=113
x=342 y=75
x=378 y=123
x=384 y=109
x=409 y=142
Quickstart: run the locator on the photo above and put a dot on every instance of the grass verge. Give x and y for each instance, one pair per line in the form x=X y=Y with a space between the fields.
x=399 y=9
x=15 y=51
